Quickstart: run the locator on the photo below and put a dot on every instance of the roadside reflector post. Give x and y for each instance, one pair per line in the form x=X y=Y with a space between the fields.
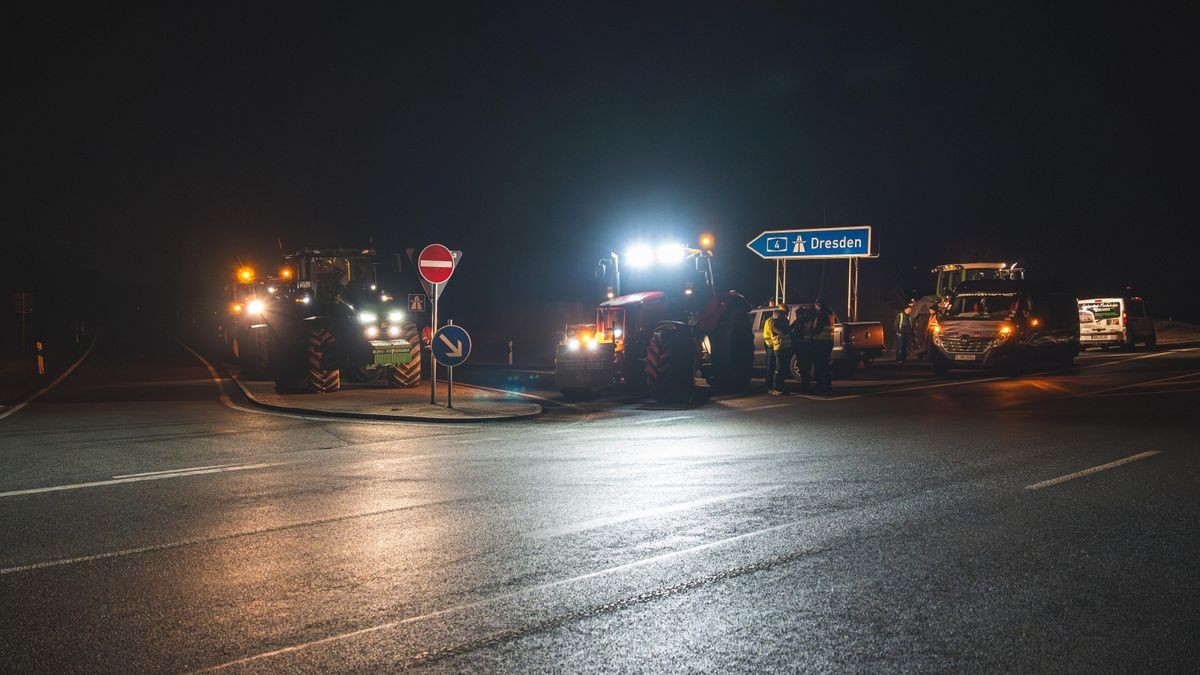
x=41 y=362
x=510 y=353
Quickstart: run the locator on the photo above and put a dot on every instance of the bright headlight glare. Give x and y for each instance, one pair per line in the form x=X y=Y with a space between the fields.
x=393 y=331
x=669 y=254
x=395 y=315
x=617 y=332
x=639 y=255
x=367 y=317
x=592 y=345
x=372 y=331
x=573 y=344
x=255 y=307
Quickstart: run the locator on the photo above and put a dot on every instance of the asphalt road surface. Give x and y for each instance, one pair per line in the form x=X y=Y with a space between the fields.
x=151 y=520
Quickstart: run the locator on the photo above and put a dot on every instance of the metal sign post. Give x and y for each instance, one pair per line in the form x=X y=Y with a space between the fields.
x=436 y=265
x=451 y=346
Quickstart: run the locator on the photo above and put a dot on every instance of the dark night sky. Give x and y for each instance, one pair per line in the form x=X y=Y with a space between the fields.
x=162 y=143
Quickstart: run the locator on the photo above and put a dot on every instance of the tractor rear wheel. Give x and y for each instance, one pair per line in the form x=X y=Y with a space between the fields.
x=323 y=375
x=671 y=363
x=733 y=350
x=407 y=375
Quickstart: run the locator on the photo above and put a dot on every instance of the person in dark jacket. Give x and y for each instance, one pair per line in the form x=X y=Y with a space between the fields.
x=821 y=330
x=802 y=347
x=904 y=333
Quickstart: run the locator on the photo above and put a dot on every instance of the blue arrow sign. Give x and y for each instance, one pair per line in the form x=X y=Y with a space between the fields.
x=833 y=242
x=451 y=346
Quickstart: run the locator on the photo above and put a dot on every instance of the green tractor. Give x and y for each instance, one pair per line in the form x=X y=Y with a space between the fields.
x=336 y=319
x=676 y=325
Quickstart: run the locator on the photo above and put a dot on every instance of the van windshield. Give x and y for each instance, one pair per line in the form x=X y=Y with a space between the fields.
x=992 y=306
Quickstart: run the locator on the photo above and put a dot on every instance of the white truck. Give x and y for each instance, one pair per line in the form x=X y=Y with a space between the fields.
x=947 y=279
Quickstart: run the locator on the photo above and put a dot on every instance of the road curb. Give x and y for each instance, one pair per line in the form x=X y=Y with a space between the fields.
x=382 y=417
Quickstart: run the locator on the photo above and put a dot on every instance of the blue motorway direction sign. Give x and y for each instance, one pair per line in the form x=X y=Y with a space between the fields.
x=451 y=346
x=832 y=242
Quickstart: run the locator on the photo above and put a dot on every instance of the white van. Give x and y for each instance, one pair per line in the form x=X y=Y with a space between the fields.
x=1115 y=322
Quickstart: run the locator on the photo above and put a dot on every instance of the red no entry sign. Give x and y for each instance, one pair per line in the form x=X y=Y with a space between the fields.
x=435 y=263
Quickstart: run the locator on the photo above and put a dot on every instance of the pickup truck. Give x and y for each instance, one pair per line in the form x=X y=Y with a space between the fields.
x=854 y=344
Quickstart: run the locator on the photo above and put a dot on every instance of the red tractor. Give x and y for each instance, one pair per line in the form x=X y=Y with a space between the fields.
x=658 y=340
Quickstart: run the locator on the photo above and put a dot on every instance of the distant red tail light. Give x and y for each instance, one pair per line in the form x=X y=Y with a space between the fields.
x=1124 y=318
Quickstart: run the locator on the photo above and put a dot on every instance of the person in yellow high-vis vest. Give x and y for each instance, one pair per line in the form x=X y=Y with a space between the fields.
x=774 y=329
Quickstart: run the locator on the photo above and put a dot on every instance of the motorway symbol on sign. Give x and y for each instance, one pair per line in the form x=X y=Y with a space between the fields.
x=435 y=263
x=451 y=346
x=416 y=302
x=833 y=242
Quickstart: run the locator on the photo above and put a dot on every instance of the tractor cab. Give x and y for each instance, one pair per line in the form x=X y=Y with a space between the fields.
x=325 y=276
x=681 y=275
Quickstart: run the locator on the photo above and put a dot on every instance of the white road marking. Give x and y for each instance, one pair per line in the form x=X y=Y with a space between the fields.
x=763 y=407
x=638 y=515
x=1094 y=469
x=1138 y=384
x=664 y=419
x=939 y=385
x=190 y=468
x=16 y=407
x=133 y=479
x=502 y=596
x=1127 y=359
x=1157 y=392
x=208 y=540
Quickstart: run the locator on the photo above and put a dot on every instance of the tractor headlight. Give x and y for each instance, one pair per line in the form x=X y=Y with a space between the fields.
x=395 y=316
x=573 y=345
x=394 y=331
x=372 y=332
x=617 y=333
x=255 y=307
x=367 y=317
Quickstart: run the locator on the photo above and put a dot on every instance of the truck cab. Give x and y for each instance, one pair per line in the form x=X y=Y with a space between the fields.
x=947 y=277
x=1004 y=323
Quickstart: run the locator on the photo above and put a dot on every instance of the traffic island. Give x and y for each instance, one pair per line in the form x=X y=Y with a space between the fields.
x=392 y=404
